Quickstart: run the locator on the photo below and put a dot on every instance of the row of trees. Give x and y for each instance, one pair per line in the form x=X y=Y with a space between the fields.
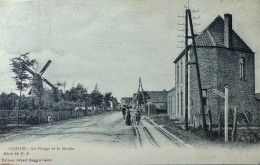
x=76 y=96
x=80 y=95
x=11 y=101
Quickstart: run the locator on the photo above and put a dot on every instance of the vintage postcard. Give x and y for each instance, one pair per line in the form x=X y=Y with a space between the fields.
x=129 y=82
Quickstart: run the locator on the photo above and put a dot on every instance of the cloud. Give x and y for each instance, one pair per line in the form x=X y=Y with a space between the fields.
x=112 y=42
x=6 y=80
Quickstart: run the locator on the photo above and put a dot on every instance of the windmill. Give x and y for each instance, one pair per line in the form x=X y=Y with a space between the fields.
x=37 y=82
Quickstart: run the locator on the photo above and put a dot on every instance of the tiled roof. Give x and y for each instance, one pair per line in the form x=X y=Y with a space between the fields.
x=157 y=96
x=127 y=98
x=213 y=36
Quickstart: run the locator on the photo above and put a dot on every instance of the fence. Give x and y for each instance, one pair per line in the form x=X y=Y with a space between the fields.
x=11 y=118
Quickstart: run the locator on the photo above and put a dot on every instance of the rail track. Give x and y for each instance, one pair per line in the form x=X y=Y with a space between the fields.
x=149 y=135
x=172 y=138
x=169 y=135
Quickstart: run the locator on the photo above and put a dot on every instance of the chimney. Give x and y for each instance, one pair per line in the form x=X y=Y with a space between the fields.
x=228 y=39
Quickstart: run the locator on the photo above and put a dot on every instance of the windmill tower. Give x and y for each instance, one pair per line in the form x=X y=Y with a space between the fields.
x=37 y=83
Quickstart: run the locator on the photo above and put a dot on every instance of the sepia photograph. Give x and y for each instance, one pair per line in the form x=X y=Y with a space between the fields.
x=129 y=82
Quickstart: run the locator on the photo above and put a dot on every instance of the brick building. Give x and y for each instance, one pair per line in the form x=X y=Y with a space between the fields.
x=225 y=60
x=157 y=102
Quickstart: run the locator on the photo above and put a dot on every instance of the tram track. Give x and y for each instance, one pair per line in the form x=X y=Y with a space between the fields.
x=169 y=135
x=148 y=135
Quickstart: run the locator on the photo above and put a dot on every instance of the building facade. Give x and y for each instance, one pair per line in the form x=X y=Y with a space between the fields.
x=157 y=102
x=171 y=102
x=224 y=60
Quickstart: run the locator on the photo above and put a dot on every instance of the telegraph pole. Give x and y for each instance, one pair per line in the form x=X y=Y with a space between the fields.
x=198 y=71
x=140 y=87
x=186 y=72
x=188 y=20
x=186 y=36
x=138 y=95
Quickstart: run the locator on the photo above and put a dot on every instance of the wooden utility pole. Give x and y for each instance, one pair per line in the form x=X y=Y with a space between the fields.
x=234 y=130
x=140 y=87
x=186 y=71
x=219 y=124
x=210 y=120
x=138 y=94
x=197 y=69
x=225 y=96
x=226 y=114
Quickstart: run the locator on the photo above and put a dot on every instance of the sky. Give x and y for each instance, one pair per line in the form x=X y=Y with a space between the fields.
x=111 y=42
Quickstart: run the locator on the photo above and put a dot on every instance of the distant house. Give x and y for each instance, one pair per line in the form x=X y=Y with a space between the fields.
x=114 y=104
x=134 y=102
x=126 y=101
x=157 y=103
x=225 y=60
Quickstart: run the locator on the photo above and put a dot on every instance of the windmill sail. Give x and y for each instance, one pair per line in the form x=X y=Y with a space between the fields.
x=37 y=82
x=27 y=68
x=45 y=67
x=47 y=82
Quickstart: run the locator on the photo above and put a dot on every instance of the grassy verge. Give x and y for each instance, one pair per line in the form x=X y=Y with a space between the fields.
x=196 y=136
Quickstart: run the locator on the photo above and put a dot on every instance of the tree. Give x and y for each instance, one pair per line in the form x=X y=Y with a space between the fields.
x=7 y=101
x=107 y=98
x=141 y=96
x=77 y=94
x=96 y=98
x=21 y=76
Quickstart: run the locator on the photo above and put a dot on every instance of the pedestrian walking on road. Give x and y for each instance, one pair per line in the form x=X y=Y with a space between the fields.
x=50 y=119
x=138 y=117
x=128 y=118
x=123 y=112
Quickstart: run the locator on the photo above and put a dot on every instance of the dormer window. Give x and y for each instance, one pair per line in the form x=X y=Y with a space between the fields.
x=242 y=66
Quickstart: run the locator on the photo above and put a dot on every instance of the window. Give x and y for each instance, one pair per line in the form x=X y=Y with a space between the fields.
x=178 y=104
x=204 y=93
x=181 y=73
x=177 y=75
x=242 y=66
x=204 y=96
x=170 y=100
x=181 y=104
